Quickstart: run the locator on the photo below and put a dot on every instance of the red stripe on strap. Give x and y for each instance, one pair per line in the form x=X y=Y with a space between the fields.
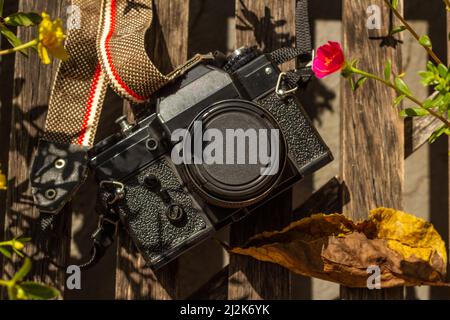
x=90 y=103
x=108 y=55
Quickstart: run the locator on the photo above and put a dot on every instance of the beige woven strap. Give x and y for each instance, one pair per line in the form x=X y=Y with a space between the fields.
x=109 y=49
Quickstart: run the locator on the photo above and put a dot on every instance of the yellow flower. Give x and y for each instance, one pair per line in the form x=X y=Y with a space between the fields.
x=51 y=37
x=17 y=245
x=2 y=181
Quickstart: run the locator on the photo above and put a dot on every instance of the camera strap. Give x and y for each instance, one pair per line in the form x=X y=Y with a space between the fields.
x=107 y=49
x=302 y=51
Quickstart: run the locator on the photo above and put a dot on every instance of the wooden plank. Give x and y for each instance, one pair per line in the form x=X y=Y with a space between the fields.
x=215 y=289
x=372 y=132
x=442 y=219
x=417 y=132
x=269 y=24
x=6 y=97
x=170 y=43
x=325 y=200
x=32 y=88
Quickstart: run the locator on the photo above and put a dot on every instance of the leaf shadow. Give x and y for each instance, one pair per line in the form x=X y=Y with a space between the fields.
x=265 y=28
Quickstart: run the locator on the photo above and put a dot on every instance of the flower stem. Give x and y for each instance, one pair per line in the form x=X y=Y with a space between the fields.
x=5 y=283
x=410 y=97
x=27 y=45
x=413 y=32
x=5 y=243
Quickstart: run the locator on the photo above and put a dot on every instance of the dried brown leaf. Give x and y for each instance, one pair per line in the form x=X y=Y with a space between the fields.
x=408 y=250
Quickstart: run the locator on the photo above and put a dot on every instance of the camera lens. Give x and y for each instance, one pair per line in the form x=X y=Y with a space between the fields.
x=239 y=176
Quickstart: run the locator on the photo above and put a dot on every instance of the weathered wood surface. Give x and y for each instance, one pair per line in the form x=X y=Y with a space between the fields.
x=417 y=132
x=32 y=82
x=270 y=24
x=372 y=136
x=215 y=289
x=6 y=97
x=133 y=280
x=325 y=200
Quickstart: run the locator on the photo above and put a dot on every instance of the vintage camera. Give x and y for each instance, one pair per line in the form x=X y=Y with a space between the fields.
x=170 y=206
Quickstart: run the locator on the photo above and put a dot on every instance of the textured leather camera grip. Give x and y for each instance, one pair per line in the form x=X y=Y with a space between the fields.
x=144 y=214
x=305 y=146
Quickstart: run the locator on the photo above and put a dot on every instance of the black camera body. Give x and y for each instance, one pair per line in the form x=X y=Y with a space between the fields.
x=170 y=206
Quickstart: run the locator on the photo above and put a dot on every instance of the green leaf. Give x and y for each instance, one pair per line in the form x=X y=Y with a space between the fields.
x=359 y=83
x=1 y=7
x=37 y=291
x=394 y=4
x=431 y=67
x=425 y=41
x=438 y=133
x=352 y=83
x=399 y=100
x=387 y=71
x=446 y=100
x=23 y=239
x=23 y=19
x=23 y=271
x=438 y=101
x=397 y=30
x=5 y=252
x=354 y=63
x=402 y=86
x=11 y=37
x=443 y=70
x=427 y=78
x=414 y=112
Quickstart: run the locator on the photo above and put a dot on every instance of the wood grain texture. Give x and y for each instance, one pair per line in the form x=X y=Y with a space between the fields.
x=6 y=97
x=270 y=25
x=372 y=136
x=32 y=82
x=169 y=47
x=215 y=289
x=417 y=132
x=325 y=200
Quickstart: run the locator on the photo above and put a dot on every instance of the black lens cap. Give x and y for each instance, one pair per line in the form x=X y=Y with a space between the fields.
x=241 y=178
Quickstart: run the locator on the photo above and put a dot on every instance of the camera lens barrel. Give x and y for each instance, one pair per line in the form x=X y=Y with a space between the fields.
x=237 y=184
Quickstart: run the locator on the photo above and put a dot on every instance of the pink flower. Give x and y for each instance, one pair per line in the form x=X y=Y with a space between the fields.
x=329 y=59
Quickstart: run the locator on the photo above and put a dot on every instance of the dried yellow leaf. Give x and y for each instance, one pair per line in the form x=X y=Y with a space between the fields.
x=408 y=250
x=408 y=235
